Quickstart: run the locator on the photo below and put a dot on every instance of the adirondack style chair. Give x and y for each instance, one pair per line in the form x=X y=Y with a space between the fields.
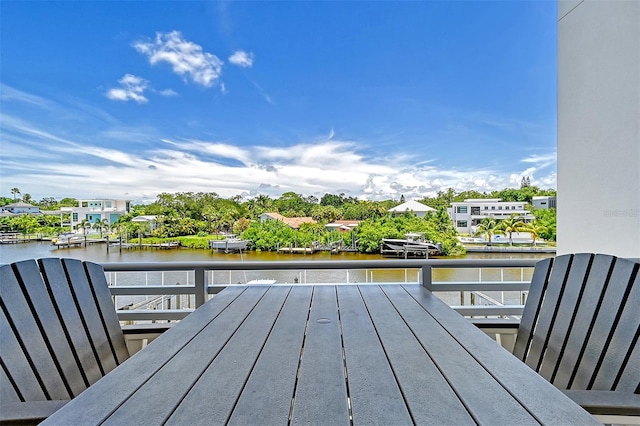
x=580 y=329
x=59 y=334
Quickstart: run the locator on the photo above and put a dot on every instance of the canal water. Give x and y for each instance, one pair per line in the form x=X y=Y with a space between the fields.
x=98 y=253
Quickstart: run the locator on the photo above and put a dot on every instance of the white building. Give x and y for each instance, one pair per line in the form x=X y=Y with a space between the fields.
x=21 y=208
x=544 y=202
x=467 y=215
x=599 y=127
x=412 y=206
x=97 y=210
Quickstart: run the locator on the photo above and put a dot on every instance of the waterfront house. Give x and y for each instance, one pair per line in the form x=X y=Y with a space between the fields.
x=96 y=210
x=293 y=222
x=544 y=202
x=342 y=225
x=467 y=215
x=152 y=220
x=413 y=206
x=21 y=208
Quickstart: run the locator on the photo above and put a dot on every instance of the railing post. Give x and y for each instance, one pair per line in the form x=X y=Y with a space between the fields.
x=426 y=277
x=200 y=287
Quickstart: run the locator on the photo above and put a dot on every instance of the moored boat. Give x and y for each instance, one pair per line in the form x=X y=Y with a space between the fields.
x=229 y=243
x=413 y=245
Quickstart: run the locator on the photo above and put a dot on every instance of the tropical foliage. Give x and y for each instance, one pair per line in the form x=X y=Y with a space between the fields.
x=187 y=215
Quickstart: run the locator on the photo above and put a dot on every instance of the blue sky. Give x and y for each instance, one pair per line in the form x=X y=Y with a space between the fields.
x=126 y=99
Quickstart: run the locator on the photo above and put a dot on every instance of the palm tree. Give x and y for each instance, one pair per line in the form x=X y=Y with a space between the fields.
x=14 y=191
x=513 y=224
x=487 y=229
x=535 y=230
x=101 y=226
x=85 y=224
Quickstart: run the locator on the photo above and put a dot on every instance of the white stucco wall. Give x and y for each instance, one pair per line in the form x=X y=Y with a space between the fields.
x=599 y=127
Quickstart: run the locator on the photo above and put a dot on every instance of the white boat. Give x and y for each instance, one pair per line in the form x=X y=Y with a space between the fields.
x=67 y=239
x=229 y=243
x=413 y=245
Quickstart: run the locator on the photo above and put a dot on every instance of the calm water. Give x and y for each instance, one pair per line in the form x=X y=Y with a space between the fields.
x=98 y=253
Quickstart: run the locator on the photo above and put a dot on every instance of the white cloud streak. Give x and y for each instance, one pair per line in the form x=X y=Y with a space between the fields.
x=186 y=58
x=197 y=165
x=242 y=59
x=45 y=158
x=131 y=89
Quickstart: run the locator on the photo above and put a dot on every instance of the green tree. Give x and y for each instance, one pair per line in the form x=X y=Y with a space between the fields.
x=535 y=229
x=85 y=225
x=487 y=228
x=546 y=218
x=510 y=225
x=14 y=192
x=48 y=203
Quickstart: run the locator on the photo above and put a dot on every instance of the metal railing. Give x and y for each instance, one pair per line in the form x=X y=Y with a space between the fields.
x=469 y=279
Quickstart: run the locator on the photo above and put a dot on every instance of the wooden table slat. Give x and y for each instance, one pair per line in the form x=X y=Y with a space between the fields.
x=486 y=399
x=321 y=392
x=266 y=398
x=547 y=403
x=162 y=393
x=413 y=369
x=92 y=407
x=324 y=354
x=375 y=395
x=212 y=398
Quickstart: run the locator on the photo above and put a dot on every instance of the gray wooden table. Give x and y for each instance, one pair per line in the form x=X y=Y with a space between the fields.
x=361 y=354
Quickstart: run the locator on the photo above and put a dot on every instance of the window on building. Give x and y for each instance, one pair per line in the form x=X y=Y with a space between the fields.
x=108 y=204
x=493 y=207
x=461 y=223
x=461 y=209
x=85 y=204
x=486 y=207
x=75 y=217
x=475 y=210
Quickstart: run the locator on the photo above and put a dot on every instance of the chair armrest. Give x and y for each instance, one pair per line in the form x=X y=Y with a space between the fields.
x=495 y=323
x=606 y=402
x=146 y=328
x=137 y=336
x=28 y=413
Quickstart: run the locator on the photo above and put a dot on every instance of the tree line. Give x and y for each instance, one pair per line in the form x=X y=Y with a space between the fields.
x=205 y=213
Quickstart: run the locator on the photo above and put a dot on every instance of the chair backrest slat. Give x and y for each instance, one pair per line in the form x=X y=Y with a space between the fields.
x=566 y=310
x=604 y=325
x=623 y=336
x=532 y=307
x=8 y=392
x=89 y=312
x=98 y=283
x=584 y=318
x=60 y=333
x=38 y=332
x=547 y=311
x=60 y=292
x=585 y=335
x=14 y=359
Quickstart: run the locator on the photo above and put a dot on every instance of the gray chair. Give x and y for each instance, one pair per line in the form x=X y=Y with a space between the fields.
x=59 y=334
x=580 y=329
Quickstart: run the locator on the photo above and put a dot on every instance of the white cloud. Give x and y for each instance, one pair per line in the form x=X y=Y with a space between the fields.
x=242 y=59
x=168 y=92
x=186 y=58
x=131 y=89
x=48 y=162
